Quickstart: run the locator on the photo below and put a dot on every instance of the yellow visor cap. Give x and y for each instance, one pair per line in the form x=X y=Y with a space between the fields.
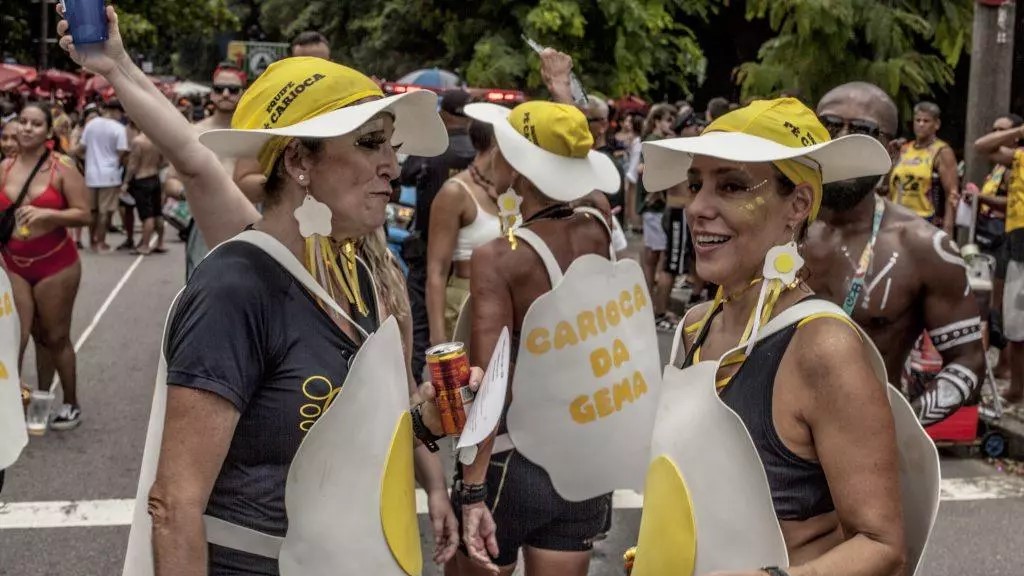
x=557 y=128
x=784 y=121
x=293 y=90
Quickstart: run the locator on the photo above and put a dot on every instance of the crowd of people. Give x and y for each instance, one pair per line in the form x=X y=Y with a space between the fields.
x=817 y=245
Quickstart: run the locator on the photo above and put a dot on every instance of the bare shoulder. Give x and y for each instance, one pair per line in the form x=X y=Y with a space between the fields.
x=497 y=253
x=826 y=347
x=930 y=247
x=451 y=192
x=203 y=125
x=692 y=323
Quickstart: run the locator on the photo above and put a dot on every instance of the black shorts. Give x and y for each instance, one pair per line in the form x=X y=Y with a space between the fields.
x=1011 y=248
x=529 y=512
x=675 y=251
x=146 y=192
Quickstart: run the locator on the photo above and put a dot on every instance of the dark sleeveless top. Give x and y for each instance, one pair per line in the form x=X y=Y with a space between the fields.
x=799 y=487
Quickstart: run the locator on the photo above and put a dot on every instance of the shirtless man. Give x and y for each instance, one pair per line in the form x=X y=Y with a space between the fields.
x=915 y=277
x=142 y=181
x=228 y=85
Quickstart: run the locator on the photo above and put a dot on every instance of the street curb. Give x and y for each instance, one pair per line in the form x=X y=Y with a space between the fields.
x=1013 y=430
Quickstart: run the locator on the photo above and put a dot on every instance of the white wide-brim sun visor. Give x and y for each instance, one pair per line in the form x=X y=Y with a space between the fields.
x=560 y=178
x=666 y=162
x=418 y=127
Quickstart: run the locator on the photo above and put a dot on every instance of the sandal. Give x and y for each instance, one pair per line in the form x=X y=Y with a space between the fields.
x=666 y=323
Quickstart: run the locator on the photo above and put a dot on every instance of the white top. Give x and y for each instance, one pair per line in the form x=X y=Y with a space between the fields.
x=484 y=228
x=635 y=150
x=104 y=140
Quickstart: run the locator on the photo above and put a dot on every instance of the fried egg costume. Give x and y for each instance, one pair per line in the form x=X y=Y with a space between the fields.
x=708 y=505
x=12 y=413
x=359 y=518
x=587 y=372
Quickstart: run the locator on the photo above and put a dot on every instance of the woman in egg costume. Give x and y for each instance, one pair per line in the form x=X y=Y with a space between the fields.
x=280 y=438
x=777 y=448
x=587 y=373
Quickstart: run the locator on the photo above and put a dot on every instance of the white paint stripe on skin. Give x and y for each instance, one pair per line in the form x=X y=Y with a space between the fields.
x=118 y=512
x=101 y=311
x=959 y=342
x=881 y=275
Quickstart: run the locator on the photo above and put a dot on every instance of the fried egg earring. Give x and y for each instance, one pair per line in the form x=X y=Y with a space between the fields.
x=313 y=216
x=781 y=265
x=509 y=214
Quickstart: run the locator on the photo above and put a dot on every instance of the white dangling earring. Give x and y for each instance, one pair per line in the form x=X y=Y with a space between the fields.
x=781 y=266
x=509 y=213
x=314 y=217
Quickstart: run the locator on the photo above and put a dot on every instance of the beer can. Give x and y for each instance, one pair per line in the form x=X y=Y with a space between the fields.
x=449 y=375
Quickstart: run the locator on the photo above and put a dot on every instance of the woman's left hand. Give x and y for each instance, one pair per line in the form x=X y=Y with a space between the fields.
x=32 y=217
x=429 y=411
x=446 y=526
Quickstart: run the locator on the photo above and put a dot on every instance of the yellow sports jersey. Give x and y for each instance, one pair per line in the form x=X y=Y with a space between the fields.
x=1015 y=194
x=915 y=180
x=994 y=186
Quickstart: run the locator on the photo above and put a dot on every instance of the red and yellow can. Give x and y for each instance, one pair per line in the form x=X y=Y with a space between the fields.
x=449 y=374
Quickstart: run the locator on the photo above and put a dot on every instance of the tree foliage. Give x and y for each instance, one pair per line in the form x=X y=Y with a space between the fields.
x=621 y=46
x=908 y=47
x=171 y=31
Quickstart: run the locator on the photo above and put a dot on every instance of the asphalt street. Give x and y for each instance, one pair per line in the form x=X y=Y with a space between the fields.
x=64 y=508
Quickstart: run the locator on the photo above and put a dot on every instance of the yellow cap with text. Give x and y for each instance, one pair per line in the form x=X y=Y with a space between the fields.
x=558 y=128
x=785 y=121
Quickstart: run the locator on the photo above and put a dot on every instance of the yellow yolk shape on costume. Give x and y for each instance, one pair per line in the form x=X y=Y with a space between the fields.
x=668 y=531
x=398 y=501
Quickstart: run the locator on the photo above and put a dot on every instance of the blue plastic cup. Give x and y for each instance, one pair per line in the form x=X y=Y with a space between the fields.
x=87 y=20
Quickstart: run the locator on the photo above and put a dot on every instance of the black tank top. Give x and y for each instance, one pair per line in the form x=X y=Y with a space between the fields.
x=799 y=487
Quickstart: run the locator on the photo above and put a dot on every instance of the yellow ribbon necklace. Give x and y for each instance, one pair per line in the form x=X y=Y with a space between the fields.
x=322 y=261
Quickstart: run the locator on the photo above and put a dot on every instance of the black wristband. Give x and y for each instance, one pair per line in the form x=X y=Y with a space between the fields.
x=471 y=493
x=774 y=571
x=420 y=430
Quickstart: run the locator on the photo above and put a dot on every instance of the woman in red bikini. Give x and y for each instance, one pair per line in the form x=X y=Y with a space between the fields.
x=41 y=258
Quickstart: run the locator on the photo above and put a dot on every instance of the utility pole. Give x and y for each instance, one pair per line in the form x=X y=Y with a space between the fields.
x=988 y=95
x=44 y=34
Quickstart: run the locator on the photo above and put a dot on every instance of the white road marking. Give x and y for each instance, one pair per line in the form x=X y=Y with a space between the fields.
x=118 y=512
x=101 y=311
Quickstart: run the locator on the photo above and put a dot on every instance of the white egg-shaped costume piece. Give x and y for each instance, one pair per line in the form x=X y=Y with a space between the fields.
x=350 y=494
x=12 y=415
x=587 y=377
x=734 y=525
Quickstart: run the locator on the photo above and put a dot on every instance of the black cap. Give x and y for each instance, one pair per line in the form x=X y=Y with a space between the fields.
x=114 y=104
x=454 y=101
x=90 y=107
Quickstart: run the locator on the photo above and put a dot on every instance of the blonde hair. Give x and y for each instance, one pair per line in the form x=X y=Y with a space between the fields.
x=387 y=276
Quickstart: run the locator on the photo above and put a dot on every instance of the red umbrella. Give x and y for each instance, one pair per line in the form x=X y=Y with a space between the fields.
x=10 y=80
x=14 y=75
x=53 y=79
x=99 y=85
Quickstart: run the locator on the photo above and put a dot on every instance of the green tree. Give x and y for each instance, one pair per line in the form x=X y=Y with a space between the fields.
x=908 y=47
x=176 y=34
x=620 y=46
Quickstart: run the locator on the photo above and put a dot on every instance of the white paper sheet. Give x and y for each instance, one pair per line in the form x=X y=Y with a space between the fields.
x=486 y=410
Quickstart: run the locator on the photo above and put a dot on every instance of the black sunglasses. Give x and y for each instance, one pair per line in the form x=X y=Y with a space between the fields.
x=231 y=89
x=836 y=125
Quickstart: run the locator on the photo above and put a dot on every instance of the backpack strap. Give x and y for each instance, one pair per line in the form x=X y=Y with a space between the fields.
x=542 y=250
x=285 y=258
